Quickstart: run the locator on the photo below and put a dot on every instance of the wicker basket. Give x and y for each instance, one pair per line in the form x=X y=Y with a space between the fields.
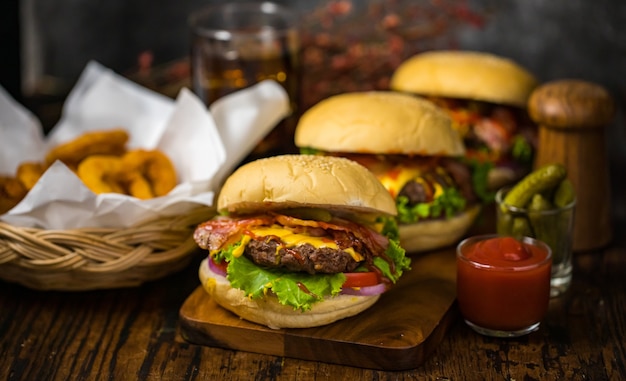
x=88 y=259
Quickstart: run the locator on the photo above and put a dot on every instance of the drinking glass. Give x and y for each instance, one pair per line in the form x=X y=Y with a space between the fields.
x=553 y=226
x=503 y=284
x=236 y=45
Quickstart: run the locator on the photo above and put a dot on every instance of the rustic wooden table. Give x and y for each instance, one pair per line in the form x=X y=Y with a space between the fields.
x=134 y=334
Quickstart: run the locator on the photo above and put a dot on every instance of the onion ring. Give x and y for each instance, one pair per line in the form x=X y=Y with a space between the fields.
x=102 y=161
x=135 y=184
x=154 y=166
x=28 y=173
x=105 y=142
x=98 y=173
x=11 y=193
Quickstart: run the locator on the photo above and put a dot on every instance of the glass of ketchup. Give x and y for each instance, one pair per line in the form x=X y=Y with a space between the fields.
x=503 y=284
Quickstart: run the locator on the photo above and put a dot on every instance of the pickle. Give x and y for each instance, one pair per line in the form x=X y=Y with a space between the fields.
x=538 y=181
x=539 y=203
x=504 y=223
x=311 y=214
x=513 y=225
x=521 y=228
x=549 y=229
x=544 y=225
x=564 y=194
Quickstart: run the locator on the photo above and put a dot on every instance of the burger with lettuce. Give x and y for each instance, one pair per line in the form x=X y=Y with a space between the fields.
x=486 y=96
x=409 y=144
x=300 y=241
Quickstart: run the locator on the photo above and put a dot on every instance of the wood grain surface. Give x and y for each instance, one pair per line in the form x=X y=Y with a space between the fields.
x=135 y=334
x=397 y=333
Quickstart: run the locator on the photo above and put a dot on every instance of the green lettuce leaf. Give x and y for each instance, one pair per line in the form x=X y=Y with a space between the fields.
x=389 y=228
x=397 y=254
x=480 y=179
x=310 y=151
x=299 y=290
x=522 y=151
x=448 y=204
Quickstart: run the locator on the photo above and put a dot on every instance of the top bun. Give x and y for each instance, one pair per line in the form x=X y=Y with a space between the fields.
x=465 y=75
x=291 y=181
x=378 y=122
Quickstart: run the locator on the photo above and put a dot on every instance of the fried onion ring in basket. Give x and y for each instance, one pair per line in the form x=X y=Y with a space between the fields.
x=135 y=184
x=103 y=142
x=11 y=193
x=154 y=166
x=28 y=173
x=99 y=173
x=140 y=187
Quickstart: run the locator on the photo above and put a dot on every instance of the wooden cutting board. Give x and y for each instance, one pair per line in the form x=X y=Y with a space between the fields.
x=397 y=333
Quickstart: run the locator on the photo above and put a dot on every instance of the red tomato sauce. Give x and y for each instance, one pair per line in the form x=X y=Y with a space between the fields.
x=503 y=283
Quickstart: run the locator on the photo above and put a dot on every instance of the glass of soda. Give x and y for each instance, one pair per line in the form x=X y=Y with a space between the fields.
x=235 y=45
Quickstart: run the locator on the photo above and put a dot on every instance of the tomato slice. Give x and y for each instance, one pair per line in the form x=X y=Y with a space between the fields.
x=361 y=279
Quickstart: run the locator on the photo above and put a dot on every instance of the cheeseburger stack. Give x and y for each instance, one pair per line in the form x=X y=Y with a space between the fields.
x=411 y=147
x=301 y=241
x=486 y=96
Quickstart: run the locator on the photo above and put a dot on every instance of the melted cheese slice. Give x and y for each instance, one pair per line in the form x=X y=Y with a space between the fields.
x=292 y=239
x=396 y=178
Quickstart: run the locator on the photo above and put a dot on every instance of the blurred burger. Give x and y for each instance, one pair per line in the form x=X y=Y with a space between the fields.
x=486 y=97
x=301 y=241
x=410 y=146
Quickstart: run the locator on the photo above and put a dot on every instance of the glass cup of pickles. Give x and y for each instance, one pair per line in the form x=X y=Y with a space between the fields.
x=542 y=206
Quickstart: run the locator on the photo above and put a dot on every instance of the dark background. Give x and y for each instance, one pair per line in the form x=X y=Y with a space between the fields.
x=48 y=43
x=553 y=38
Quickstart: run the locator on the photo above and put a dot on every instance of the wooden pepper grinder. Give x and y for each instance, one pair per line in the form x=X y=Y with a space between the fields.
x=572 y=116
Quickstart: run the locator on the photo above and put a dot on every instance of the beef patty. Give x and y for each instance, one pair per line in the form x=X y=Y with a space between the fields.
x=302 y=258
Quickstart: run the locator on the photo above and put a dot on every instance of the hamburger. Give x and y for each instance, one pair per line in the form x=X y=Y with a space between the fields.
x=486 y=96
x=409 y=144
x=300 y=241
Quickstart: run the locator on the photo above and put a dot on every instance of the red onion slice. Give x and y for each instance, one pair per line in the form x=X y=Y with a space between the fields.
x=365 y=291
x=216 y=269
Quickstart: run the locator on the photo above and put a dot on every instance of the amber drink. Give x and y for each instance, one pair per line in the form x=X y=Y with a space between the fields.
x=236 y=45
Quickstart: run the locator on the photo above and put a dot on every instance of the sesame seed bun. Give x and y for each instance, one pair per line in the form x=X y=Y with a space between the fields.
x=290 y=181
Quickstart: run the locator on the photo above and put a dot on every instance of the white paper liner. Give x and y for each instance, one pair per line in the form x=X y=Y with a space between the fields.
x=204 y=146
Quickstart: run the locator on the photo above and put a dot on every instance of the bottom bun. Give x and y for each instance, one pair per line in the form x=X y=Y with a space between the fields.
x=435 y=234
x=269 y=312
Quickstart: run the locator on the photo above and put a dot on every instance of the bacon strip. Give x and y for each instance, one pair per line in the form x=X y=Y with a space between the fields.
x=215 y=233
